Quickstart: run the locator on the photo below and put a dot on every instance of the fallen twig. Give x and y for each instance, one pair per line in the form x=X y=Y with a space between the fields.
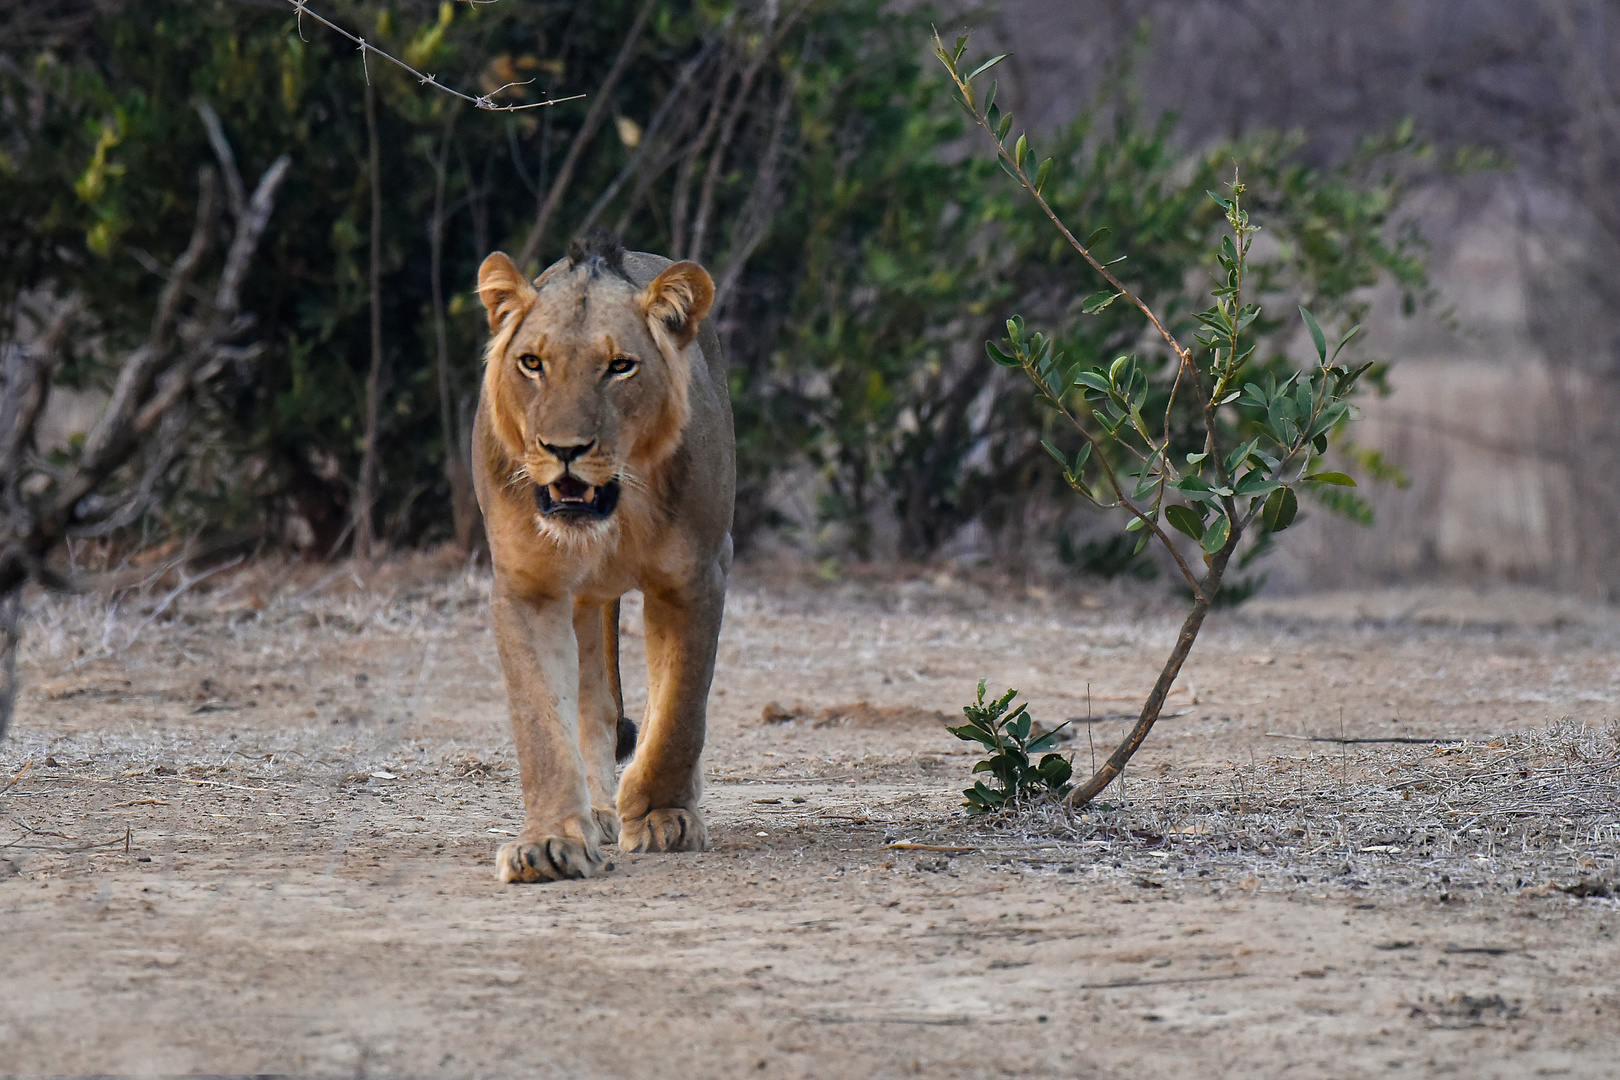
x=1368 y=741
x=13 y=781
x=907 y=845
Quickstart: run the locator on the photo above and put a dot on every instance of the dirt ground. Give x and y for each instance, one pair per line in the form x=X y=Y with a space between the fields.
x=252 y=831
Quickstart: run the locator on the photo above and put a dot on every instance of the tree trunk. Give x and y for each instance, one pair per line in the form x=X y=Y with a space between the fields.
x=1208 y=588
x=365 y=537
x=457 y=471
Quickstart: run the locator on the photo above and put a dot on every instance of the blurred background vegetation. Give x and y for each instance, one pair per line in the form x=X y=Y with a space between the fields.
x=804 y=151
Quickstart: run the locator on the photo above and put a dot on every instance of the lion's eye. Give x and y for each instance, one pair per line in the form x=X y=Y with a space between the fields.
x=622 y=365
x=531 y=363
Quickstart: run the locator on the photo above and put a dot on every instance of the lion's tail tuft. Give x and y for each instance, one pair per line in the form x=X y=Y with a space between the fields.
x=627 y=739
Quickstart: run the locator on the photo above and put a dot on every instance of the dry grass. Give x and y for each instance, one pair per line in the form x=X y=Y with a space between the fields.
x=1535 y=809
x=1538 y=809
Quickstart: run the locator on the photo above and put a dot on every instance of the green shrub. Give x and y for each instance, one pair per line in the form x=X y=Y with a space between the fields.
x=1011 y=750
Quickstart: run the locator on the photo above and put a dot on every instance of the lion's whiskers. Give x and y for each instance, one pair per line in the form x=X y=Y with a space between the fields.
x=627 y=477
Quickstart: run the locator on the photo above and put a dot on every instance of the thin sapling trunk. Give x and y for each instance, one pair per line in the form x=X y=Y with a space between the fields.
x=1261 y=439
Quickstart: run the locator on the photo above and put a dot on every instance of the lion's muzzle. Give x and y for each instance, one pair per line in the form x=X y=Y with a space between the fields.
x=570 y=497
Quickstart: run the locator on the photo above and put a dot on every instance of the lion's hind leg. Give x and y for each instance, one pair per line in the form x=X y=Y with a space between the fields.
x=600 y=707
x=625 y=741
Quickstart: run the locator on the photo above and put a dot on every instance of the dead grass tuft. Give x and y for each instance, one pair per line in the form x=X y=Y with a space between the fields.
x=1517 y=813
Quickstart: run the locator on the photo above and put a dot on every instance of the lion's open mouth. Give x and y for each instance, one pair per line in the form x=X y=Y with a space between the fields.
x=569 y=496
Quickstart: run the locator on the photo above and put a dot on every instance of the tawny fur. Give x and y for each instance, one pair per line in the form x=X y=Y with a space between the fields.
x=663 y=434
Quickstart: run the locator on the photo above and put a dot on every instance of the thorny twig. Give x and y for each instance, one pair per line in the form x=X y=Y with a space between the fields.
x=482 y=101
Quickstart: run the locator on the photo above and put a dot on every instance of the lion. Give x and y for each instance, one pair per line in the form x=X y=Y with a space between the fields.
x=604 y=461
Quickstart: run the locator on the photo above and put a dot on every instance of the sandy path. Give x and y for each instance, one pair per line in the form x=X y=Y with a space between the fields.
x=282 y=909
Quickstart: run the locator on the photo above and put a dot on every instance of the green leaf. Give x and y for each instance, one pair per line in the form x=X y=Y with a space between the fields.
x=989 y=103
x=1041 y=174
x=1215 y=536
x=1282 y=506
x=1352 y=332
x=986 y=66
x=1316 y=333
x=1092 y=380
x=1184 y=519
x=1096 y=238
x=1194 y=459
x=1055 y=770
x=1241 y=454
x=1116 y=367
x=1018 y=725
x=1057 y=455
x=1254 y=482
x=1020 y=149
x=1225 y=204
x=1004 y=127
x=1338 y=478
x=1097 y=301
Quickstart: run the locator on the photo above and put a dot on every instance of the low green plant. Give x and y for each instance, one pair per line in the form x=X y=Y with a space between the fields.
x=1204 y=447
x=1007 y=736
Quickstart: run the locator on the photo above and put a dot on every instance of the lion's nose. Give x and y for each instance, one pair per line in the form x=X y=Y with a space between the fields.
x=565 y=454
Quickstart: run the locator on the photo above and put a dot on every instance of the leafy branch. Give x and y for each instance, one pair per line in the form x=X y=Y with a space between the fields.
x=1260 y=439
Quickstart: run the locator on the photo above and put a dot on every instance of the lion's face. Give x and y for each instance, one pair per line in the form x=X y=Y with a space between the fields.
x=587 y=379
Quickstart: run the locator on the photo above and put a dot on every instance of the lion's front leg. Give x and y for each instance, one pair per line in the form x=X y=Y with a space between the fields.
x=540 y=663
x=659 y=792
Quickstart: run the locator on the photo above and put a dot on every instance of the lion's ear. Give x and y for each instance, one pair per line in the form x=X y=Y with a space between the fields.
x=679 y=298
x=504 y=291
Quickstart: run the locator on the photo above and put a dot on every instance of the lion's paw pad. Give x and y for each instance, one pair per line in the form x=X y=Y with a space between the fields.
x=669 y=829
x=550 y=858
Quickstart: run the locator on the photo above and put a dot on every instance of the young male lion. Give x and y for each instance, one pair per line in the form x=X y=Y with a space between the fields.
x=604 y=461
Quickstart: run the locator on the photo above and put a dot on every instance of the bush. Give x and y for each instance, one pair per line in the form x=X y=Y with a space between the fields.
x=805 y=160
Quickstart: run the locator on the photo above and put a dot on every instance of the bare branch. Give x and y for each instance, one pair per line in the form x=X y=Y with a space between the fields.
x=172 y=435
x=683 y=177
x=10 y=637
x=227 y=160
x=754 y=222
x=135 y=378
x=711 y=175
x=25 y=381
x=482 y=101
x=587 y=131
x=248 y=231
x=649 y=138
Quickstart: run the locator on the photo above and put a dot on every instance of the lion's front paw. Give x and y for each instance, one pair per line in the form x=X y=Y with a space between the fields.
x=607 y=819
x=669 y=829
x=548 y=858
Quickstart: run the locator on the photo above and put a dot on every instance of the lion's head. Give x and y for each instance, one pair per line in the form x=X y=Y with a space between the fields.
x=587 y=375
